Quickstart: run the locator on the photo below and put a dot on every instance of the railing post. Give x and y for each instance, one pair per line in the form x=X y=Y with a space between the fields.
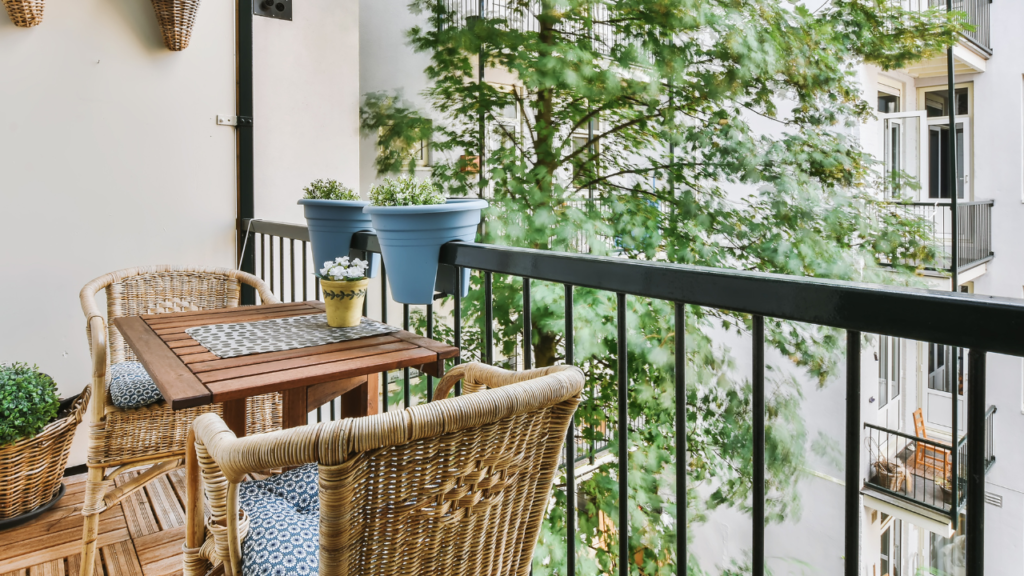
x=758 y=423
x=852 y=507
x=681 y=519
x=976 y=409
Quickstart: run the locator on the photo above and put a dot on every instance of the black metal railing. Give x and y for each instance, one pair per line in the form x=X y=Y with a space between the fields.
x=914 y=469
x=977 y=323
x=974 y=226
x=522 y=16
x=976 y=13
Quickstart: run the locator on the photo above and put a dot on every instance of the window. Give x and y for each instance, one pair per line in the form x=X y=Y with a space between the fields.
x=936 y=103
x=888 y=103
x=891 y=548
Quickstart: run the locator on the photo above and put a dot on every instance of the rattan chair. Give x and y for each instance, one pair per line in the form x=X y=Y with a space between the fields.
x=154 y=435
x=456 y=487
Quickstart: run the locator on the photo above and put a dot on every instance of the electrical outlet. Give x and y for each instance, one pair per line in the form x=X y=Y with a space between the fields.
x=279 y=9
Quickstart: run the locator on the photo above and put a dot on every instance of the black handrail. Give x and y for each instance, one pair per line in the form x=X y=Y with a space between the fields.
x=981 y=323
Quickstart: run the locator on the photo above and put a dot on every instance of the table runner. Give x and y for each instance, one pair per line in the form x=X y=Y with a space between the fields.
x=244 y=338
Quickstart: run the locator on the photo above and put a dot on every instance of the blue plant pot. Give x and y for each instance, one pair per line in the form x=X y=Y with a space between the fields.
x=331 y=225
x=411 y=238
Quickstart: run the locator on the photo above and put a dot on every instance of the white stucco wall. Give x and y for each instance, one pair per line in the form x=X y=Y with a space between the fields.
x=110 y=155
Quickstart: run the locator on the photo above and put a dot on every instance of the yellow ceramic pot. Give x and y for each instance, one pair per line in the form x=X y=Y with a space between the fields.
x=344 y=300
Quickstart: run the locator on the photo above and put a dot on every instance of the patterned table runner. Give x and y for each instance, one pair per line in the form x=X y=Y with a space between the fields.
x=244 y=338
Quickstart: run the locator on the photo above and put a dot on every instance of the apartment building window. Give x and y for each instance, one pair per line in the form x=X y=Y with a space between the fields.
x=888 y=103
x=937 y=106
x=891 y=547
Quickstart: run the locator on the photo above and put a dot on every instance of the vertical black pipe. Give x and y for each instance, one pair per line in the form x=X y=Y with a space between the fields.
x=758 y=418
x=623 y=436
x=458 y=323
x=852 y=488
x=976 y=465
x=680 y=377
x=430 y=335
x=483 y=121
x=384 y=319
x=405 y=373
x=570 y=446
x=244 y=140
x=488 y=318
x=527 y=326
x=952 y=179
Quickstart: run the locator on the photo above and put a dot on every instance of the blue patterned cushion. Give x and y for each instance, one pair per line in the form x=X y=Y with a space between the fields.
x=131 y=387
x=284 y=524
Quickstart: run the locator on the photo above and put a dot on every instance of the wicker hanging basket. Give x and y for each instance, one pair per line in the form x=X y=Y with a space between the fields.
x=31 y=469
x=176 y=18
x=25 y=13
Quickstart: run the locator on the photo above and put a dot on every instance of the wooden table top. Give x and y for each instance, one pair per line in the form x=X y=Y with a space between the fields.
x=190 y=375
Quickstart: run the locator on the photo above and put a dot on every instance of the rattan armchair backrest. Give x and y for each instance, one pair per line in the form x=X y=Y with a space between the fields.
x=454 y=487
x=159 y=289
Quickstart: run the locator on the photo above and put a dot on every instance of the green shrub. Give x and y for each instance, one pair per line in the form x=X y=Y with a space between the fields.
x=329 y=190
x=28 y=402
x=405 y=191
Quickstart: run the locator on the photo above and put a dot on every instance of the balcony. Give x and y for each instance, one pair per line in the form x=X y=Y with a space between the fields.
x=919 y=472
x=973 y=237
x=970 y=55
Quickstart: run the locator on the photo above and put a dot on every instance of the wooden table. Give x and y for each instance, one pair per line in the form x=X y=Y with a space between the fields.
x=189 y=375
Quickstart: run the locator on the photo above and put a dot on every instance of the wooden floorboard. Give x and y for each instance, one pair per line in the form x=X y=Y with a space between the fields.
x=141 y=536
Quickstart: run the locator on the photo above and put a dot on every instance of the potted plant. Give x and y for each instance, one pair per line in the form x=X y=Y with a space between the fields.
x=413 y=220
x=36 y=430
x=344 y=284
x=333 y=214
x=946 y=488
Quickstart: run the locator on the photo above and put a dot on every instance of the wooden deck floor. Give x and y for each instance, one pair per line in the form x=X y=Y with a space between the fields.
x=141 y=536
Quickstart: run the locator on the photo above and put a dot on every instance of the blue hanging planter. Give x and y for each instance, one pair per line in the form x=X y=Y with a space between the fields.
x=331 y=225
x=411 y=238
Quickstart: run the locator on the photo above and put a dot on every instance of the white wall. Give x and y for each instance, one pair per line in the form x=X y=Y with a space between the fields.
x=110 y=155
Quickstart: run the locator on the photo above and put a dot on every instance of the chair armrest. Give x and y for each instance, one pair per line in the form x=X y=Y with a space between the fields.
x=489 y=376
x=96 y=328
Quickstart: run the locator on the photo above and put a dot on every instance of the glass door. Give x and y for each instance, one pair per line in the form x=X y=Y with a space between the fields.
x=904 y=141
x=890 y=389
x=938 y=160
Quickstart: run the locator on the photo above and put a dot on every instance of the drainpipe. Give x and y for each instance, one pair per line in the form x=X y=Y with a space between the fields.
x=244 y=144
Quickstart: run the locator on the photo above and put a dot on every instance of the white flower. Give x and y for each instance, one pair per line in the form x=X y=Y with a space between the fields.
x=324 y=271
x=343 y=260
x=328 y=264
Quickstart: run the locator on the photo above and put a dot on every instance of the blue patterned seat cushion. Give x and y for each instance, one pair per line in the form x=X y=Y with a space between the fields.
x=131 y=387
x=284 y=524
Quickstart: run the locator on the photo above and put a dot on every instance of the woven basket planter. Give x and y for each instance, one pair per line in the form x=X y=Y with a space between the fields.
x=31 y=469
x=176 y=18
x=25 y=13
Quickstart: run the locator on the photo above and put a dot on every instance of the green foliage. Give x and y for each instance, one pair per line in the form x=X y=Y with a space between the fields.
x=328 y=190
x=28 y=402
x=405 y=191
x=705 y=132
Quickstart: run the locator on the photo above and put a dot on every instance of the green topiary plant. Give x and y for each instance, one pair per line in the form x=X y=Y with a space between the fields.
x=405 y=191
x=328 y=190
x=28 y=402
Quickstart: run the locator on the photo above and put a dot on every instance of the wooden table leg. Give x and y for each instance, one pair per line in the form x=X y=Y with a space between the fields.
x=293 y=408
x=234 y=416
x=363 y=399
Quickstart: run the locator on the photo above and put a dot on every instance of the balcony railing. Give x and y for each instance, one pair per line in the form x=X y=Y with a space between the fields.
x=977 y=14
x=974 y=225
x=979 y=324
x=920 y=470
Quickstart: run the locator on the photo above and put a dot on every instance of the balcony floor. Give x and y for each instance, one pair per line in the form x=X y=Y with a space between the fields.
x=141 y=536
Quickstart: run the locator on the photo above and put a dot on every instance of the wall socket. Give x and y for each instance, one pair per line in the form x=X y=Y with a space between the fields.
x=279 y=9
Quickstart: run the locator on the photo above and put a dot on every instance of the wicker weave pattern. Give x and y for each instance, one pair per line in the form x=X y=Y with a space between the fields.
x=455 y=487
x=25 y=13
x=176 y=18
x=32 y=468
x=154 y=434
